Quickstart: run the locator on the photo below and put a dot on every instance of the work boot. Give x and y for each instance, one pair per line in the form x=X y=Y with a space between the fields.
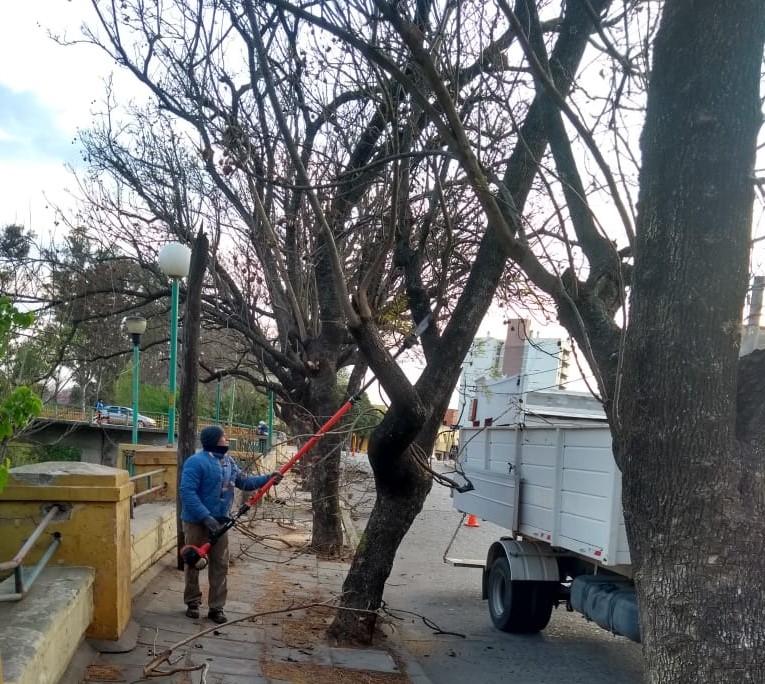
x=217 y=616
x=192 y=611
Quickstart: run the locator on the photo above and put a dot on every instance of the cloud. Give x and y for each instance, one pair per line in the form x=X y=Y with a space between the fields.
x=29 y=131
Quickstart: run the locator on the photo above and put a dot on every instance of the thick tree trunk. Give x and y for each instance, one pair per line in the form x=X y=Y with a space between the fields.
x=400 y=497
x=693 y=498
x=327 y=534
x=323 y=464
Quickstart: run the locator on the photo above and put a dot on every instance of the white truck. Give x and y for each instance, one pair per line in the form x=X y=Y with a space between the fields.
x=551 y=480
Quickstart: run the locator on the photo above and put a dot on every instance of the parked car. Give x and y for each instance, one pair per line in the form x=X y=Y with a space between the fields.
x=122 y=415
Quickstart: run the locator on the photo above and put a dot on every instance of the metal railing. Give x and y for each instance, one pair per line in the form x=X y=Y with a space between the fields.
x=24 y=577
x=87 y=414
x=150 y=488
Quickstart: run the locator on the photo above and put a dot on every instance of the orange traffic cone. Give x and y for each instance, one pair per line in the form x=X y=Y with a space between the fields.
x=472 y=521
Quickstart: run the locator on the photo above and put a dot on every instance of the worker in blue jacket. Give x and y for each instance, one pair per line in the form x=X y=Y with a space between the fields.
x=208 y=480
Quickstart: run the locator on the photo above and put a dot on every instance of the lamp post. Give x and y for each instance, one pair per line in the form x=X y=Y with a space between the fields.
x=136 y=326
x=217 y=397
x=270 y=420
x=174 y=260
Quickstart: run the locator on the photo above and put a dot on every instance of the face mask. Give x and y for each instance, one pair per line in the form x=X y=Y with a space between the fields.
x=221 y=449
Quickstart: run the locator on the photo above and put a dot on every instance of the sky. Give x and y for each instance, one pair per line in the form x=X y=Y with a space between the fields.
x=47 y=92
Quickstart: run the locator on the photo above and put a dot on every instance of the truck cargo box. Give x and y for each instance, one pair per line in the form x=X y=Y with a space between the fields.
x=557 y=483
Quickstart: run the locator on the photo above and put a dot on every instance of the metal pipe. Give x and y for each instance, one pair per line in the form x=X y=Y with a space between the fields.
x=136 y=379
x=217 y=400
x=145 y=492
x=149 y=474
x=270 y=442
x=24 y=550
x=37 y=569
x=24 y=584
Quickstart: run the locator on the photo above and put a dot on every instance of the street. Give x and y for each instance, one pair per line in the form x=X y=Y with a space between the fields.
x=425 y=595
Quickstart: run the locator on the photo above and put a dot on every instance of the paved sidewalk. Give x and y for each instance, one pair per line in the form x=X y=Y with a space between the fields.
x=278 y=606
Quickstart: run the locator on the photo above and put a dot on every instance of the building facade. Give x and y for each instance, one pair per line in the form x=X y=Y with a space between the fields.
x=501 y=379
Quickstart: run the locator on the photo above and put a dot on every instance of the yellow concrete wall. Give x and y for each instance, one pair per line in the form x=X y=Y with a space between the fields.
x=153 y=534
x=95 y=529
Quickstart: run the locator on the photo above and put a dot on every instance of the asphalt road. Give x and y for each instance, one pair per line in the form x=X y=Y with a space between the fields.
x=425 y=595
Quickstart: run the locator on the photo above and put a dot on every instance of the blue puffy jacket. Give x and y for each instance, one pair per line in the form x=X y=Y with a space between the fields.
x=207 y=485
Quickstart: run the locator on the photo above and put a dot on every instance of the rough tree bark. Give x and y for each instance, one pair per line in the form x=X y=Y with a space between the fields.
x=324 y=463
x=693 y=484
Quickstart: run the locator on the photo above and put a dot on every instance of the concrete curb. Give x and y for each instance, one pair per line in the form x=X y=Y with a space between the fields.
x=139 y=585
x=78 y=665
x=413 y=669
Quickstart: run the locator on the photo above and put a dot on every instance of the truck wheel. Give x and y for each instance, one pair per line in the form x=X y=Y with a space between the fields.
x=519 y=607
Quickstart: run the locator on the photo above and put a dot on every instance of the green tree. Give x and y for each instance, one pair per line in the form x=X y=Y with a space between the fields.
x=18 y=404
x=15 y=242
x=92 y=286
x=34 y=357
x=243 y=403
x=151 y=398
x=15 y=247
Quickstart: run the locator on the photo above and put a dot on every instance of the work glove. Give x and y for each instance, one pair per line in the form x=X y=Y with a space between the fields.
x=211 y=524
x=278 y=477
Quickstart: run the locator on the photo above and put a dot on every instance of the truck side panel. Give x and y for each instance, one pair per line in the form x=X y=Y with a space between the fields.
x=564 y=479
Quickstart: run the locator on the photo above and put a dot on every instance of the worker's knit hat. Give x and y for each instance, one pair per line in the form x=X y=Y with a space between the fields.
x=210 y=436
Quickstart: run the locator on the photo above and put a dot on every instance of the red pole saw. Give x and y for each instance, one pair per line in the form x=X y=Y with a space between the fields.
x=196 y=556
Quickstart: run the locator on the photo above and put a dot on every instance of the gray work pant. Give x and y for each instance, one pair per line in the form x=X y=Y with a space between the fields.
x=217 y=568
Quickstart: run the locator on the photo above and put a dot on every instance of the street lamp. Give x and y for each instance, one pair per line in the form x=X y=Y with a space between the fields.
x=217 y=397
x=174 y=260
x=136 y=326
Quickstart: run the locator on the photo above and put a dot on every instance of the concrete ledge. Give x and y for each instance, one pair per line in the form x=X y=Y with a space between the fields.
x=153 y=533
x=40 y=634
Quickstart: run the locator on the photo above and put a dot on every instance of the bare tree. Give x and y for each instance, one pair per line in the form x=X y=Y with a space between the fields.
x=345 y=199
x=304 y=184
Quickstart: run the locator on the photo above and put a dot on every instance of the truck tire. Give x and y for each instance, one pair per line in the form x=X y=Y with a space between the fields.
x=518 y=607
